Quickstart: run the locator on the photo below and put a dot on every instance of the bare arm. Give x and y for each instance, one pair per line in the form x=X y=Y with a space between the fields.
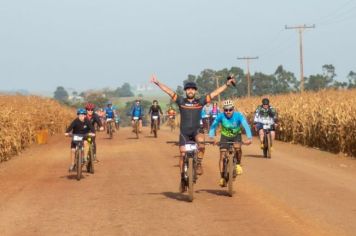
x=221 y=89
x=163 y=87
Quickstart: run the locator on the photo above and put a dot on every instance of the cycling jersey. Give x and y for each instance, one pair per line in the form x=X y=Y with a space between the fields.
x=109 y=113
x=262 y=114
x=79 y=127
x=155 y=110
x=215 y=111
x=190 y=112
x=230 y=127
x=206 y=111
x=137 y=111
x=94 y=119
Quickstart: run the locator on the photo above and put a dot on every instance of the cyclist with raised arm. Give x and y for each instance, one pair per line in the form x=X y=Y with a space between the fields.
x=155 y=110
x=190 y=111
x=136 y=111
x=231 y=122
x=82 y=126
x=94 y=119
x=109 y=116
x=265 y=113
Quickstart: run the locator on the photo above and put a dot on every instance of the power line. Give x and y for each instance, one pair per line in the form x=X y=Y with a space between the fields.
x=247 y=59
x=300 y=29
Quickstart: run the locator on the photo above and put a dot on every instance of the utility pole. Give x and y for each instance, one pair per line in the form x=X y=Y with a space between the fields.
x=247 y=59
x=300 y=29
x=217 y=86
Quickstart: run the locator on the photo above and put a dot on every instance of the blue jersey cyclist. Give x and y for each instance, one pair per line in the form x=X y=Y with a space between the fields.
x=109 y=115
x=231 y=122
x=137 y=114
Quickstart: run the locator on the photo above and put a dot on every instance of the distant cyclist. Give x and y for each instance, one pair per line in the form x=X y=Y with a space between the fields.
x=215 y=111
x=82 y=126
x=109 y=115
x=155 y=110
x=206 y=114
x=190 y=111
x=94 y=119
x=171 y=113
x=231 y=122
x=137 y=112
x=265 y=113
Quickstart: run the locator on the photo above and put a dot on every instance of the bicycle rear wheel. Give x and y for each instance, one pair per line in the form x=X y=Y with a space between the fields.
x=190 y=180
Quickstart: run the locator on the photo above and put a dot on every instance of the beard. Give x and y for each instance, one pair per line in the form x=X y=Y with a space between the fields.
x=190 y=95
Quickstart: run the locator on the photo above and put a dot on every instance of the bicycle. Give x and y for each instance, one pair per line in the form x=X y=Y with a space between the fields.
x=190 y=162
x=78 y=139
x=155 y=126
x=136 y=126
x=171 y=123
x=267 y=137
x=110 y=130
x=229 y=163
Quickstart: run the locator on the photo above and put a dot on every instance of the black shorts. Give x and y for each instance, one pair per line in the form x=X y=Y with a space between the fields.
x=236 y=139
x=187 y=136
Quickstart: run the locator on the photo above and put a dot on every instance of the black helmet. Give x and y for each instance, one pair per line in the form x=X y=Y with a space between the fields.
x=190 y=85
x=265 y=101
x=155 y=101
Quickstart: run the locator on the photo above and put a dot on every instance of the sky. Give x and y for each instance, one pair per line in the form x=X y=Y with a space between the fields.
x=91 y=44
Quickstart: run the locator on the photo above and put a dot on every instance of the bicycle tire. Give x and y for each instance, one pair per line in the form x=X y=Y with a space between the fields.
x=78 y=158
x=155 y=128
x=265 y=145
x=90 y=167
x=110 y=131
x=136 y=129
x=230 y=174
x=190 y=180
x=269 y=154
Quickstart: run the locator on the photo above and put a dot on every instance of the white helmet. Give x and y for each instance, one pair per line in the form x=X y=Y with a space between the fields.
x=228 y=104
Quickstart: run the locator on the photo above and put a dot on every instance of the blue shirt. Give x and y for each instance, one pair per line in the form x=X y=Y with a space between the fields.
x=137 y=111
x=109 y=112
x=230 y=127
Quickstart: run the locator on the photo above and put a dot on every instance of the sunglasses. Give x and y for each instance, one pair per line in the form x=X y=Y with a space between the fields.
x=90 y=110
x=228 y=110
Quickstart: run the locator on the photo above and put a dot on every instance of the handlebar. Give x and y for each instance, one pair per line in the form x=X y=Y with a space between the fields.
x=177 y=143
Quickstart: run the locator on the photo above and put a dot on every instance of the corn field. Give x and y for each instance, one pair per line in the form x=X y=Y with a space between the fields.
x=325 y=119
x=22 y=116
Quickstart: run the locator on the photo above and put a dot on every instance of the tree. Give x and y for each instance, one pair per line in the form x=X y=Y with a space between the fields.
x=124 y=91
x=284 y=81
x=317 y=82
x=98 y=99
x=61 y=94
x=352 y=80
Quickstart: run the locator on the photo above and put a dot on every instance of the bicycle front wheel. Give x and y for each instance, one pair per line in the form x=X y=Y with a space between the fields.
x=230 y=174
x=78 y=158
x=190 y=180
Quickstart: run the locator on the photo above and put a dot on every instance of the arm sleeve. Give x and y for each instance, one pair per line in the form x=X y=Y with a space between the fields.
x=150 y=110
x=214 y=126
x=160 y=110
x=97 y=120
x=70 y=128
x=246 y=126
x=255 y=120
x=91 y=127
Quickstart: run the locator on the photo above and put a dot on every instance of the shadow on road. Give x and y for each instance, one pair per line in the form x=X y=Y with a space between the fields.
x=176 y=196
x=254 y=156
x=73 y=176
x=214 y=191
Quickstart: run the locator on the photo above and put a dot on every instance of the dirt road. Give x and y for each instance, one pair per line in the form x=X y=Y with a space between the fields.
x=134 y=191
